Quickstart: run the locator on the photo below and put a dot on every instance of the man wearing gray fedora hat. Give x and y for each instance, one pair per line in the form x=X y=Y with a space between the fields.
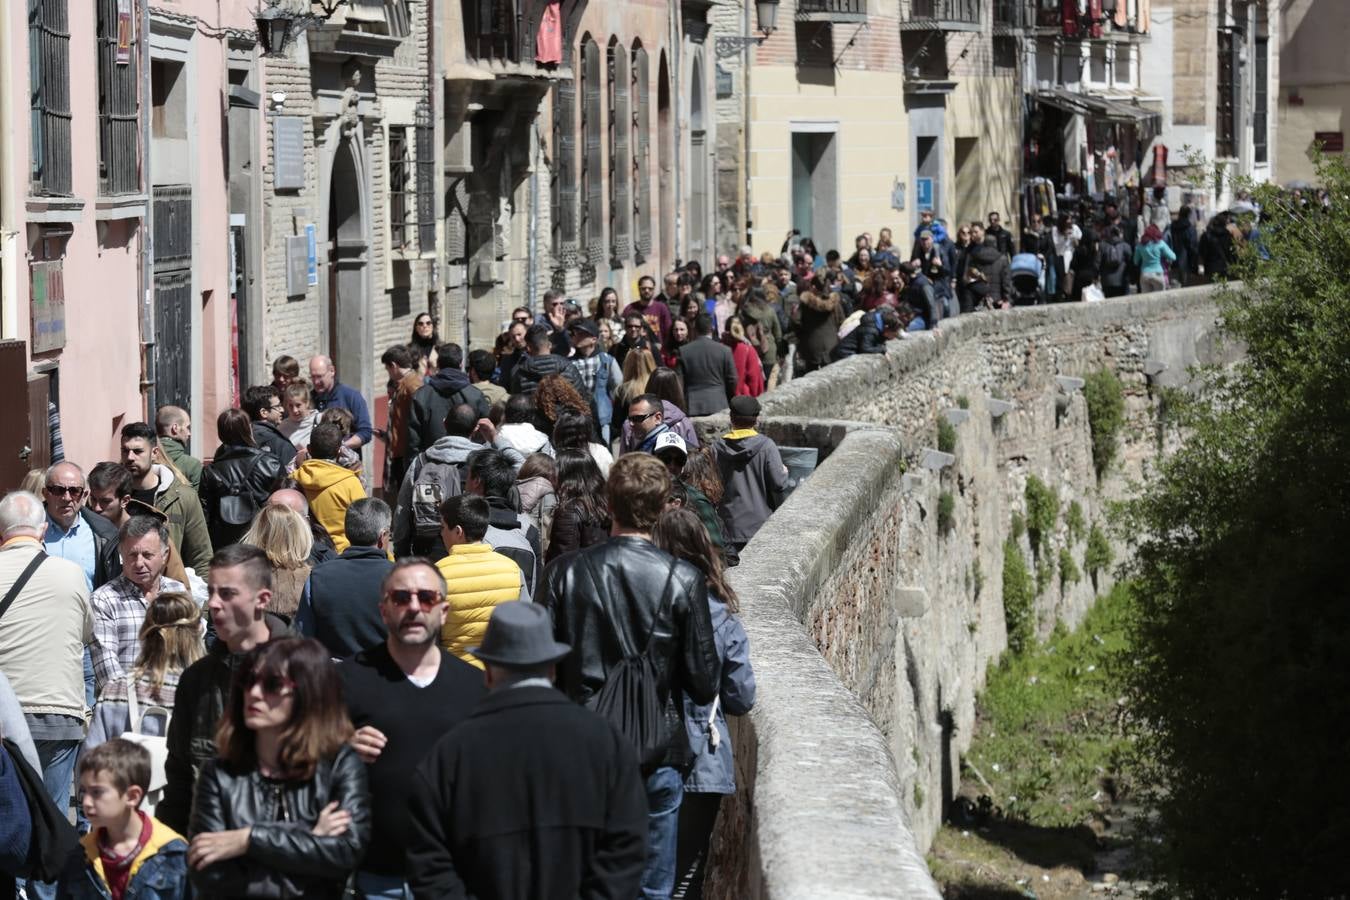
x=533 y=796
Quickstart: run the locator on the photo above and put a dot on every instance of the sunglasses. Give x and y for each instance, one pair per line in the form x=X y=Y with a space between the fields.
x=424 y=322
x=425 y=597
x=271 y=683
x=524 y=320
x=62 y=490
x=638 y=420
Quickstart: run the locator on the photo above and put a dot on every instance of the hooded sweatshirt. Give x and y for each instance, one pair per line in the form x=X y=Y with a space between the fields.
x=525 y=438
x=753 y=479
x=330 y=489
x=186 y=521
x=432 y=401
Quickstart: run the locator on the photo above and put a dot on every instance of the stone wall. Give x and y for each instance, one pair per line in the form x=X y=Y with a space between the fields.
x=871 y=630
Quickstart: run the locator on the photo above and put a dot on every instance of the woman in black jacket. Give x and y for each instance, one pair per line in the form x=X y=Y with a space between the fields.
x=581 y=517
x=238 y=481
x=284 y=808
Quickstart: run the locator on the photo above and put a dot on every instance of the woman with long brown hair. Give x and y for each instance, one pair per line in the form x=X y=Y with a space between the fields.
x=284 y=808
x=713 y=773
x=581 y=518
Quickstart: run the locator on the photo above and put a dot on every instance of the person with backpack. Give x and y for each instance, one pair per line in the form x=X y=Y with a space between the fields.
x=435 y=476
x=639 y=624
x=1113 y=263
x=531 y=796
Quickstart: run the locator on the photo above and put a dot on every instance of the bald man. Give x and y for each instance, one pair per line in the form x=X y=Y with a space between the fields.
x=328 y=391
x=174 y=427
x=323 y=548
x=74 y=531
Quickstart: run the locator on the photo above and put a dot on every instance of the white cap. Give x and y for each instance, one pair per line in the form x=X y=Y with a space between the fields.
x=668 y=439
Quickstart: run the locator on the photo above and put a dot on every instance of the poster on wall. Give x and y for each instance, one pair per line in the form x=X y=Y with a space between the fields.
x=126 y=31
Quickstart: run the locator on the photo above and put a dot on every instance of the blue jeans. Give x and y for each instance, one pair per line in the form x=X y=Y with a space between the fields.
x=374 y=886
x=58 y=772
x=665 y=790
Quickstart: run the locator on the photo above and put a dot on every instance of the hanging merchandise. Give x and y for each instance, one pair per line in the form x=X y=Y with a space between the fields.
x=1110 y=170
x=548 y=43
x=1159 y=165
x=1069 y=17
x=1095 y=16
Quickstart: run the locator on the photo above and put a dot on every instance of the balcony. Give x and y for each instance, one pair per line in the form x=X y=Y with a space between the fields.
x=944 y=15
x=831 y=10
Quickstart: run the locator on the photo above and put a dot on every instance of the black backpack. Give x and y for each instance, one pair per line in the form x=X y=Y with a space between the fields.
x=54 y=840
x=436 y=482
x=629 y=700
x=1114 y=257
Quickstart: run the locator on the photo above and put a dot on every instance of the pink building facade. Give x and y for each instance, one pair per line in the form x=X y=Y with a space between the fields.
x=128 y=140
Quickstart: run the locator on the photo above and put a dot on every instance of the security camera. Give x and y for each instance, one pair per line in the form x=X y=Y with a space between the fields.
x=278 y=99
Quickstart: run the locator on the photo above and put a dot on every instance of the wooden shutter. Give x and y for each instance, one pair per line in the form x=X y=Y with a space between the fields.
x=620 y=165
x=642 y=184
x=593 y=161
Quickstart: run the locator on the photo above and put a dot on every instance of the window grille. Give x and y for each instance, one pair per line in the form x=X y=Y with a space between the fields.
x=565 y=173
x=118 y=101
x=1260 y=138
x=49 y=101
x=426 y=181
x=1225 y=144
x=593 y=193
x=620 y=166
x=642 y=185
x=400 y=179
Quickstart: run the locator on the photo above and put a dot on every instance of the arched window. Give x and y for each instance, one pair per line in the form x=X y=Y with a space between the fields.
x=620 y=171
x=592 y=162
x=642 y=136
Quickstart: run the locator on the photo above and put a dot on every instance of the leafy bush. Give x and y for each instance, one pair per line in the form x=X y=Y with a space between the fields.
x=1244 y=612
x=1098 y=554
x=963 y=402
x=1074 y=521
x=1017 y=525
x=1042 y=511
x=946 y=512
x=1106 y=415
x=1019 y=608
x=1045 y=572
x=946 y=436
x=1068 y=569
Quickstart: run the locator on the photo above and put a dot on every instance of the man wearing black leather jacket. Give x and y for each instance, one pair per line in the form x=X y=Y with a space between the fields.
x=241 y=586
x=624 y=598
x=876 y=328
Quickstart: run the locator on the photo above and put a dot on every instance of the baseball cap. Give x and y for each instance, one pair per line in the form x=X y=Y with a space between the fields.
x=586 y=325
x=670 y=440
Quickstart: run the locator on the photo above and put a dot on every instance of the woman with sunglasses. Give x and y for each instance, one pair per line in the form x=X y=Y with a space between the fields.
x=283 y=810
x=423 y=342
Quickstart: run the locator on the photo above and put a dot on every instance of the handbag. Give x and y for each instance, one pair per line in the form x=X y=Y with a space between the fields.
x=157 y=745
x=53 y=838
x=1092 y=293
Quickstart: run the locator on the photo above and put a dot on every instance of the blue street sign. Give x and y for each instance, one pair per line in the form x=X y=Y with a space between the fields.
x=923 y=193
x=312 y=254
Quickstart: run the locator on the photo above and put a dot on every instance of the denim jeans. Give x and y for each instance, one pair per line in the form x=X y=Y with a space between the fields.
x=665 y=790
x=374 y=886
x=58 y=772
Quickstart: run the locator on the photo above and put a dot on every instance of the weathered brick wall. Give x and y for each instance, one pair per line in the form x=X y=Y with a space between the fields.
x=907 y=619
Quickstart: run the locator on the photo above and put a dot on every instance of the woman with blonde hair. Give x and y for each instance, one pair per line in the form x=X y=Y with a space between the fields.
x=171 y=640
x=285 y=536
x=638 y=366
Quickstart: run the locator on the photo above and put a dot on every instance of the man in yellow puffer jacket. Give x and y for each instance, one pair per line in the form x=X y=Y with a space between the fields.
x=477 y=578
x=329 y=487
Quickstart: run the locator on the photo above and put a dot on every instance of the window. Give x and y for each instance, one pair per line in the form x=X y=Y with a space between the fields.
x=1045 y=63
x=642 y=129
x=592 y=181
x=1124 y=75
x=389 y=17
x=1005 y=52
x=1261 y=101
x=49 y=101
x=1225 y=144
x=1097 y=64
x=426 y=180
x=400 y=183
x=565 y=172
x=118 y=128
x=620 y=167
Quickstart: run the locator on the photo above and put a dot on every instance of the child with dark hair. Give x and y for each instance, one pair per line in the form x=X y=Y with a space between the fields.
x=329 y=487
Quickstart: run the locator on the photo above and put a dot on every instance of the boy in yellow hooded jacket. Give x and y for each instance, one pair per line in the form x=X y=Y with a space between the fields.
x=329 y=487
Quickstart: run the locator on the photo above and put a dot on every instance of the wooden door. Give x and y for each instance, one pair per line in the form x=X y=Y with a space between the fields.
x=15 y=447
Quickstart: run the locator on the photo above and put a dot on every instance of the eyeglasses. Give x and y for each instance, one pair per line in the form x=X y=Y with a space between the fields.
x=425 y=597
x=277 y=408
x=638 y=420
x=276 y=685
x=524 y=320
x=65 y=490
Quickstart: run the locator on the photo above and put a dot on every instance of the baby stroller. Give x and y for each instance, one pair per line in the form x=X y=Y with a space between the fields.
x=1026 y=279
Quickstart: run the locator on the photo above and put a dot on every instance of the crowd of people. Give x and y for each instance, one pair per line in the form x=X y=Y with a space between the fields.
x=509 y=675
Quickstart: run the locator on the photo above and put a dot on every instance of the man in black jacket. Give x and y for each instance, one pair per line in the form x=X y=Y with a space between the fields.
x=709 y=370
x=532 y=796
x=339 y=610
x=627 y=597
x=264 y=407
x=542 y=362
x=241 y=587
x=873 y=331
x=404 y=693
x=442 y=392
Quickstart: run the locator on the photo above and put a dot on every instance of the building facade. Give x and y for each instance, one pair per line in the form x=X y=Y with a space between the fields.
x=112 y=162
x=1314 y=87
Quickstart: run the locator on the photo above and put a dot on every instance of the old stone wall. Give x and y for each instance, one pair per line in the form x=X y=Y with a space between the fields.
x=870 y=625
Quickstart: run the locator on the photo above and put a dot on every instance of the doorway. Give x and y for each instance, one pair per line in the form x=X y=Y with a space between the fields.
x=815 y=186
x=969 y=180
x=347 y=261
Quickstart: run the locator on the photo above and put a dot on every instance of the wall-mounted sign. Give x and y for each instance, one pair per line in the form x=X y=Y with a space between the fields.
x=297 y=265
x=47 y=303
x=898 y=196
x=126 y=32
x=923 y=193
x=311 y=255
x=1331 y=141
x=288 y=153
x=725 y=87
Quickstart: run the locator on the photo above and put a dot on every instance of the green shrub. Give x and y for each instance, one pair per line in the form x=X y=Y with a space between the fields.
x=1042 y=511
x=1018 y=525
x=963 y=402
x=946 y=512
x=1098 y=554
x=946 y=436
x=1068 y=569
x=1106 y=415
x=978 y=575
x=1045 y=572
x=1075 y=522
x=1019 y=608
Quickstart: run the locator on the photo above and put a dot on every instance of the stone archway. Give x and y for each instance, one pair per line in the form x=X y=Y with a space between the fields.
x=348 y=306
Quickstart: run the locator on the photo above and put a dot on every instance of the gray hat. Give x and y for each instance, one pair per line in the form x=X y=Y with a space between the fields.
x=520 y=635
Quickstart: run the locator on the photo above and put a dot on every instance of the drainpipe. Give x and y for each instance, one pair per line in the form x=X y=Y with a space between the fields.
x=147 y=229
x=531 y=262
x=9 y=241
x=745 y=88
x=677 y=63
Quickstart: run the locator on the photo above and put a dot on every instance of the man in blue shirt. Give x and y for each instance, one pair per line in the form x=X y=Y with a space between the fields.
x=328 y=391
x=69 y=535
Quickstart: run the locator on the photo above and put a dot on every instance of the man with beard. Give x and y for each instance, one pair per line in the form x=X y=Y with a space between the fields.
x=403 y=695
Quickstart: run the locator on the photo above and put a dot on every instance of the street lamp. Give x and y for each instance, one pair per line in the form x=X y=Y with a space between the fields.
x=277 y=19
x=766 y=17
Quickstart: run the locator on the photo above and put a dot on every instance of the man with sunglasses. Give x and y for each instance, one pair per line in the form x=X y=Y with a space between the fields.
x=402 y=695
x=240 y=585
x=647 y=417
x=74 y=531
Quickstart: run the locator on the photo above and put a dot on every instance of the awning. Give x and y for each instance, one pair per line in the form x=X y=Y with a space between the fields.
x=1100 y=107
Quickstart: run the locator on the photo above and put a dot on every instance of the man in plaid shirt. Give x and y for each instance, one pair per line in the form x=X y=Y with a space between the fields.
x=118 y=608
